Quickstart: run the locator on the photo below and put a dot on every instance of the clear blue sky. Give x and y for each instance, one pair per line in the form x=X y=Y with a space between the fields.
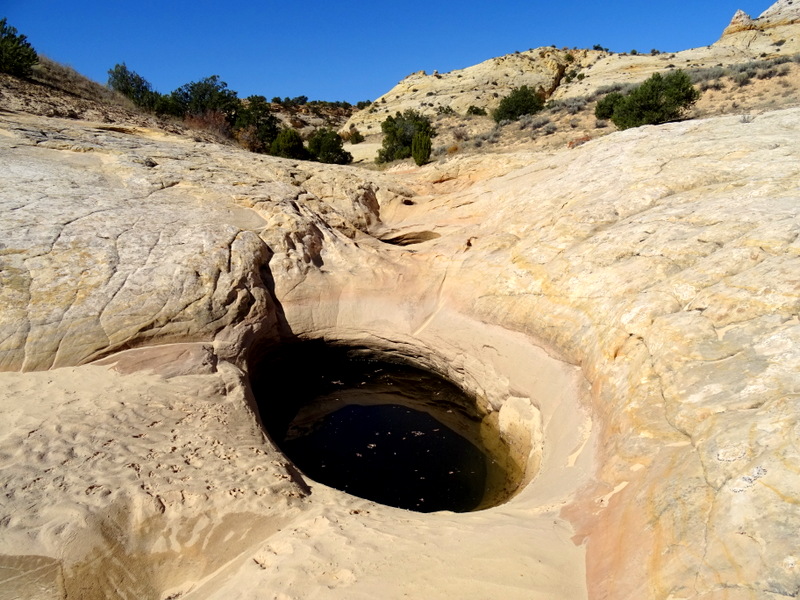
x=352 y=50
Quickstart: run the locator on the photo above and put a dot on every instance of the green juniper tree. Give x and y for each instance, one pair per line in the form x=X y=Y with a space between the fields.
x=399 y=132
x=133 y=86
x=521 y=101
x=17 y=56
x=326 y=146
x=289 y=144
x=421 y=148
x=660 y=99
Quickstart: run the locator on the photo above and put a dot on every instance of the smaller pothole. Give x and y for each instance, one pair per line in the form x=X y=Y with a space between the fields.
x=412 y=237
x=382 y=430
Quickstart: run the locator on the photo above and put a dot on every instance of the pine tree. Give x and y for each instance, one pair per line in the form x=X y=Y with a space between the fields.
x=17 y=56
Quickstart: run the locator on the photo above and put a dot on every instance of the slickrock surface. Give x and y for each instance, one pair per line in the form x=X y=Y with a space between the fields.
x=627 y=309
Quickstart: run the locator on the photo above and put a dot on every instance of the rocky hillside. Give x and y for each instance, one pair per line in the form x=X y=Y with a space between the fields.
x=55 y=90
x=574 y=73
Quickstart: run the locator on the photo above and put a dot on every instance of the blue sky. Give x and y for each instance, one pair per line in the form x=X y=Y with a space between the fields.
x=355 y=50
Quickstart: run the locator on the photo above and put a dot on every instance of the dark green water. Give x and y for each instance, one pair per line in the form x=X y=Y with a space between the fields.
x=379 y=430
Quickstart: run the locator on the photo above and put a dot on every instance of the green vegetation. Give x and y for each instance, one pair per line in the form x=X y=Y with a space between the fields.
x=521 y=101
x=421 y=148
x=605 y=107
x=289 y=144
x=659 y=99
x=207 y=95
x=326 y=145
x=398 y=135
x=209 y=104
x=133 y=86
x=355 y=136
x=476 y=110
x=255 y=127
x=17 y=56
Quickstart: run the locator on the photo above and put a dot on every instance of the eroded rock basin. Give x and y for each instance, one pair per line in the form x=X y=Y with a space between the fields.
x=382 y=430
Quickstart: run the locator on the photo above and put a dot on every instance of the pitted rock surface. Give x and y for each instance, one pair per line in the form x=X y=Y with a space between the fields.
x=661 y=264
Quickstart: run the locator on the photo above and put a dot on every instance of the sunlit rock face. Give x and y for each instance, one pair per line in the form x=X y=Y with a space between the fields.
x=625 y=312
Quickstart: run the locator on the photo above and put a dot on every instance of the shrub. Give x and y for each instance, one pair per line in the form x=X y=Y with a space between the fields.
x=211 y=120
x=476 y=110
x=255 y=125
x=133 y=86
x=17 y=56
x=421 y=148
x=460 y=134
x=605 y=107
x=356 y=137
x=326 y=146
x=658 y=100
x=398 y=135
x=533 y=123
x=289 y=144
x=445 y=110
x=521 y=101
x=209 y=94
x=572 y=105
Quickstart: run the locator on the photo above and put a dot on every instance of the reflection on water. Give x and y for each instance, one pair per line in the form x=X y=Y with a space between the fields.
x=382 y=431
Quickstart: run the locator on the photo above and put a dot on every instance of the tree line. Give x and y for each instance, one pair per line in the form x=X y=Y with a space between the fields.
x=210 y=104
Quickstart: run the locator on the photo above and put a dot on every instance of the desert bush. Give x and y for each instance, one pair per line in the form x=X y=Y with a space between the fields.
x=326 y=146
x=604 y=90
x=476 y=110
x=355 y=136
x=17 y=56
x=571 y=105
x=445 y=110
x=707 y=74
x=605 y=107
x=767 y=73
x=715 y=84
x=255 y=126
x=660 y=99
x=209 y=94
x=421 y=148
x=289 y=144
x=533 y=122
x=133 y=86
x=521 y=101
x=460 y=134
x=398 y=135
x=212 y=120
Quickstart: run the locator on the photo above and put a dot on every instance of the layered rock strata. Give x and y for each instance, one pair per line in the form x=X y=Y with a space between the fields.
x=628 y=310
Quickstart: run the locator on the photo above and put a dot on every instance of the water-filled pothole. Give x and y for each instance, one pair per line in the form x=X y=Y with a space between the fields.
x=382 y=429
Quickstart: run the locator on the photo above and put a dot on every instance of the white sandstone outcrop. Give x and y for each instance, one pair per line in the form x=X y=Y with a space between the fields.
x=631 y=304
x=627 y=311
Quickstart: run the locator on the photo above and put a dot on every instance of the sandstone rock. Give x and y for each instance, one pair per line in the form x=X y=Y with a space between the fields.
x=773 y=33
x=626 y=310
x=481 y=85
x=741 y=21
